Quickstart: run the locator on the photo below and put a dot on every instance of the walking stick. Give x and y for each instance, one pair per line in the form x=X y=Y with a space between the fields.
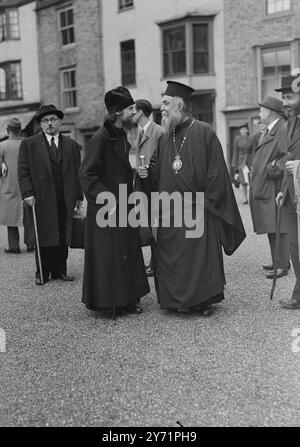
x=37 y=243
x=278 y=218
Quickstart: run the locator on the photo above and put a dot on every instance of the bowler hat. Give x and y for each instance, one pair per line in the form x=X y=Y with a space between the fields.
x=178 y=89
x=118 y=99
x=48 y=109
x=287 y=84
x=272 y=103
x=14 y=124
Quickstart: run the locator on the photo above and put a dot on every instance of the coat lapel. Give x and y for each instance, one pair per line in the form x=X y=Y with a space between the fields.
x=147 y=134
x=65 y=151
x=43 y=150
x=294 y=134
x=120 y=145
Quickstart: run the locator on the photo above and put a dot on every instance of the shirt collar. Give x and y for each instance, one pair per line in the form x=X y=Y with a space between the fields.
x=56 y=138
x=270 y=126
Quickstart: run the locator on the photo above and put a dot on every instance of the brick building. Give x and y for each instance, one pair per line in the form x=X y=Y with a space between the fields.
x=19 y=73
x=262 y=45
x=71 y=66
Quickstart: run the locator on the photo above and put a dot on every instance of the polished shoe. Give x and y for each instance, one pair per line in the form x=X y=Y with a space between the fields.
x=12 y=251
x=280 y=273
x=149 y=271
x=30 y=249
x=246 y=202
x=268 y=268
x=134 y=310
x=63 y=278
x=290 y=304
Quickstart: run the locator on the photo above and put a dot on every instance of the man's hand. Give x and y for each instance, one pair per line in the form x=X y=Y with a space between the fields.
x=279 y=198
x=143 y=171
x=4 y=169
x=291 y=166
x=78 y=205
x=30 y=201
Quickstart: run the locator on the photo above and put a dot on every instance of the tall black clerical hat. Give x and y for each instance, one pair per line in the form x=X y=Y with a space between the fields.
x=118 y=99
x=177 y=89
x=287 y=84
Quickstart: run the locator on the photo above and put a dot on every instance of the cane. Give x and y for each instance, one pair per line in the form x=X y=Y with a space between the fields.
x=278 y=218
x=37 y=244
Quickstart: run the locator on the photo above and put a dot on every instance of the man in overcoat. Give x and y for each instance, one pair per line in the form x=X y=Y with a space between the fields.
x=267 y=175
x=11 y=204
x=291 y=100
x=48 y=177
x=114 y=274
x=241 y=159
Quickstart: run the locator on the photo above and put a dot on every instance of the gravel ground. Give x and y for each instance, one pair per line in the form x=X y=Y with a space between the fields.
x=66 y=366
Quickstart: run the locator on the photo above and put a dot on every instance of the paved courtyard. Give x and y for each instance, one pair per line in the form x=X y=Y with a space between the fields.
x=66 y=366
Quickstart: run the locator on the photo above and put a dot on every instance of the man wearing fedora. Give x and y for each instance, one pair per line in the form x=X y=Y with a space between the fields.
x=291 y=102
x=48 y=177
x=11 y=206
x=267 y=175
x=114 y=274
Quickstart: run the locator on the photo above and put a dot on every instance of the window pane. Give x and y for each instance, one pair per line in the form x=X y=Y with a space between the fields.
x=128 y=62
x=63 y=19
x=174 y=51
x=70 y=16
x=201 y=48
x=2 y=84
x=276 y=65
x=3 y=33
x=277 y=6
x=15 y=81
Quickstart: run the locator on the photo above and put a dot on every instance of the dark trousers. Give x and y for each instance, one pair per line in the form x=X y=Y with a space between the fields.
x=13 y=238
x=54 y=261
x=293 y=242
x=284 y=255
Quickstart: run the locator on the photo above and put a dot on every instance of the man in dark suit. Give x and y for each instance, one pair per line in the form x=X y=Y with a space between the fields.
x=266 y=181
x=291 y=99
x=48 y=177
x=149 y=136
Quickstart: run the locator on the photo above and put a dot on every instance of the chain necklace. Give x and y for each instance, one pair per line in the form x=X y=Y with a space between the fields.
x=177 y=163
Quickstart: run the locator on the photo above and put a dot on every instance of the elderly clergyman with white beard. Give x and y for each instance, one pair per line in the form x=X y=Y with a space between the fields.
x=189 y=158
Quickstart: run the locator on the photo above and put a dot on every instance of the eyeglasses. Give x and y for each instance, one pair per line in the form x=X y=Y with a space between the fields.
x=49 y=120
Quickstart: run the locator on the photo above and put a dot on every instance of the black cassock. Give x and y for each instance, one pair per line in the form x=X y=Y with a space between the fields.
x=114 y=271
x=190 y=272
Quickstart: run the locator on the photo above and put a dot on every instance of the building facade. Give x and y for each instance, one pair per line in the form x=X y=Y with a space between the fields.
x=19 y=73
x=146 y=43
x=262 y=45
x=71 y=65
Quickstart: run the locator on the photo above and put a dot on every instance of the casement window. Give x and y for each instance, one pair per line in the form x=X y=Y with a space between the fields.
x=277 y=6
x=66 y=23
x=68 y=88
x=187 y=47
x=275 y=65
x=10 y=81
x=128 y=62
x=9 y=25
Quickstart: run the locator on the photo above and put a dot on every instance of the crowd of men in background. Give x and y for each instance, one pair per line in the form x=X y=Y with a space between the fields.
x=45 y=174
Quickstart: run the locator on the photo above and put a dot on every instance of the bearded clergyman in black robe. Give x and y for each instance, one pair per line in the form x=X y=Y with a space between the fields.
x=190 y=271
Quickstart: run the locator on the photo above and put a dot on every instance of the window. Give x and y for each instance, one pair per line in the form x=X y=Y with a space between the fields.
x=66 y=21
x=9 y=25
x=10 y=81
x=278 y=6
x=174 y=51
x=69 y=92
x=276 y=64
x=187 y=48
x=128 y=62
x=124 y=4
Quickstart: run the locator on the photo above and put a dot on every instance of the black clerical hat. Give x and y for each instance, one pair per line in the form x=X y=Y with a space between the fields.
x=178 y=89
x=287 y=84
x=118 y=99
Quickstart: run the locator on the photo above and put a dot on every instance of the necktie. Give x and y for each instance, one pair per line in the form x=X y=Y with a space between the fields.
x=142 y=132
x=53 y=148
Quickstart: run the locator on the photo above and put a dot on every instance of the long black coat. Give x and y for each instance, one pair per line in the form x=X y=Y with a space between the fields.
x=114 y=271
x=263 y=189
x=36 y=179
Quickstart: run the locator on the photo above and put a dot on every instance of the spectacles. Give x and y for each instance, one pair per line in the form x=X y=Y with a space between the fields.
x=49 y=120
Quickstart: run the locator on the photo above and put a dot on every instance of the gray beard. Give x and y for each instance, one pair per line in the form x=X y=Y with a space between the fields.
x=169 y=123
